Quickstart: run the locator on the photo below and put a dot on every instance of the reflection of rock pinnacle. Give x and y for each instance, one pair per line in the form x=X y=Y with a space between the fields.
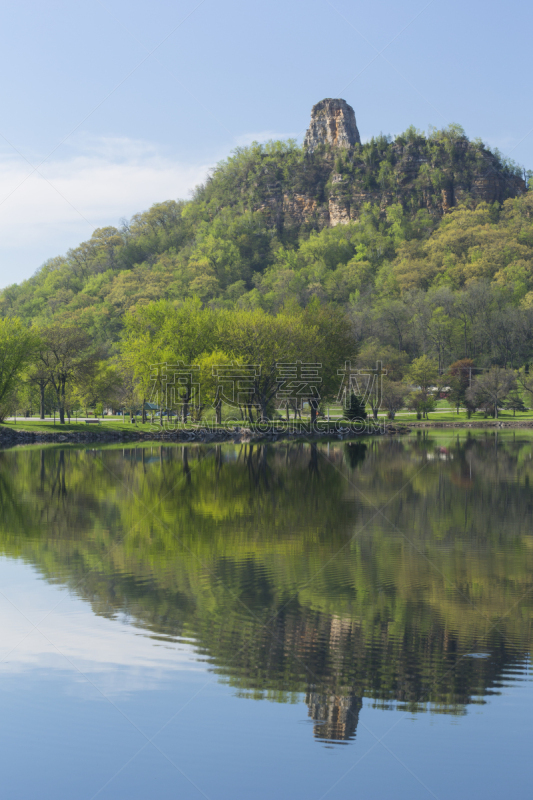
x=336 y=716
x=333 y=123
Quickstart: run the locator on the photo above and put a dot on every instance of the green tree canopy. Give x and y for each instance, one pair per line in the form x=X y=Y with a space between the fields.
x=17 y=346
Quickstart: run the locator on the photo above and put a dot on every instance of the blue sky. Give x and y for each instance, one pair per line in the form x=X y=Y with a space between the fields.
x=108 y=106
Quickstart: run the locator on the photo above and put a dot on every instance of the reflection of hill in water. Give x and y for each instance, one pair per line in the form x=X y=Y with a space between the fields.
x=285 y=573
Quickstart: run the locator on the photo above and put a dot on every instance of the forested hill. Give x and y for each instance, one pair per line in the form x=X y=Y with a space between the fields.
x=365 y=226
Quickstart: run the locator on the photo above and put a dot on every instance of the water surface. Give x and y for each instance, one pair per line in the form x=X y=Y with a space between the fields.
x=290 y=620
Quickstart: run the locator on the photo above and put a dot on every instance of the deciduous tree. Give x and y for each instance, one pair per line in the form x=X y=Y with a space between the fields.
x=492 y=388
x=67 y=356
x=17 y=346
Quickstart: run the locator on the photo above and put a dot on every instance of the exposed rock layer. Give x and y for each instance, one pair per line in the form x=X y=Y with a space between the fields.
x=339 y=176
x=333 y=123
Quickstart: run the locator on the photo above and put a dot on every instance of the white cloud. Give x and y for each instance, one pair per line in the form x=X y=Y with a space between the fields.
x=101 y=181
x=96 y=182
x=78 y=640
x=71 y=638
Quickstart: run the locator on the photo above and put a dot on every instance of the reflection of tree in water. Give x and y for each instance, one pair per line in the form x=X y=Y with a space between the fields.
x=356 y=452
x=260 y=554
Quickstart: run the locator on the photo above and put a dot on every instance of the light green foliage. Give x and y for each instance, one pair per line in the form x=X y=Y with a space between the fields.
x=424 y=373
x=210 y=395
x=164 y=334
x=67 y=358
x=161 y=334
x=422 y=403
x=256 y=338
x=99 y=387
x=17 y=347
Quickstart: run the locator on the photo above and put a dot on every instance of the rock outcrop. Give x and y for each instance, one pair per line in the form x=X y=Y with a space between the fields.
x=333 y=123
x=338 y=176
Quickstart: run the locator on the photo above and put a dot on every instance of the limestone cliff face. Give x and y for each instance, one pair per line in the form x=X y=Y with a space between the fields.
x=333 y=123
x=468 y=175
x=330 y=185
x=294 y=210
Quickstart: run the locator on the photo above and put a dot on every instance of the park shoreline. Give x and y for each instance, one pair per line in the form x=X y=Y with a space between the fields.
x=10 y=437
x=479 y=423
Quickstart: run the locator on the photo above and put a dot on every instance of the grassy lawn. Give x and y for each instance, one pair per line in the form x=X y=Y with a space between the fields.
x=118 y=425
x=47 y=426
x=108 y=424
x=442 y=416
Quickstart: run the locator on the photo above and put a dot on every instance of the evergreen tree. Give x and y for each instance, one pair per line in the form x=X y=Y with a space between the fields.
x=356 y=408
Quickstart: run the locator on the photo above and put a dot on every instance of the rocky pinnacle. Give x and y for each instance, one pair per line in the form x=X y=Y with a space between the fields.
x=333 y=123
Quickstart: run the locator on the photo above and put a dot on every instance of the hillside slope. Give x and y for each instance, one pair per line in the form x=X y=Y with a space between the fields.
x=275 y=223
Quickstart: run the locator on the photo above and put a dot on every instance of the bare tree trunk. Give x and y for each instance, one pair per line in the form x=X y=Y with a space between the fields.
x=62 y=404
x=186 y=407
x=41 y=395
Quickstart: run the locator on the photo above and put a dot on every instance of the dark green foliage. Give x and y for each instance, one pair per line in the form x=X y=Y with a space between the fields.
x=355 y=409
x=356 y=453
x=515 y=403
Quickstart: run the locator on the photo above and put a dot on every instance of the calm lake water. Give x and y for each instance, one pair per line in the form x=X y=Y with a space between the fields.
x=281 y=621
